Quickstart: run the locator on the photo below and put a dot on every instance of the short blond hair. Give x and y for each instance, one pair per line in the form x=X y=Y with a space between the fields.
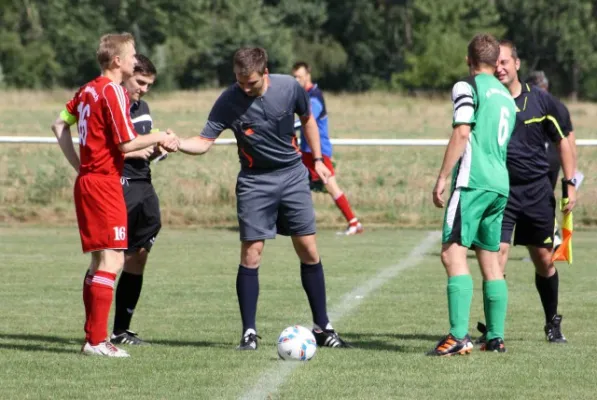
x=112 y=45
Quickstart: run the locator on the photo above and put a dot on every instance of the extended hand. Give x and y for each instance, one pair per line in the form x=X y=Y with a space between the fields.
x=171 y=143
x=438 y=192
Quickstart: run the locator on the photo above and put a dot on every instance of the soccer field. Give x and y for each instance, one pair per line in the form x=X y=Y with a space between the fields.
x=386 y=290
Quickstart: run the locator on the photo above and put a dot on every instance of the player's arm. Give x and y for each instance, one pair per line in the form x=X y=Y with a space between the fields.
x=566 y=127
x=167 y=139
x=455 y=149
x=218 y=120
x=557 y=130
x=195 y=145
x=463 y=118
x=122 y=127
x=572 y=143
x=144 y=154
x=553 y=122
x=61 y=128
x=303 y=108
x=311 y=133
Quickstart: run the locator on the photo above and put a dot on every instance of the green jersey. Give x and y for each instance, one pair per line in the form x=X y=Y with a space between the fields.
x=482 y=102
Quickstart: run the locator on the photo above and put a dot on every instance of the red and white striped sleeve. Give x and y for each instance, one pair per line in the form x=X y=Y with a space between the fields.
x=119 y=118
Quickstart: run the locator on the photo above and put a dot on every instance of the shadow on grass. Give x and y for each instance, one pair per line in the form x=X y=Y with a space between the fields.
x=79 y=342
x=469 y=255
x=384 y=341
x=36 y=348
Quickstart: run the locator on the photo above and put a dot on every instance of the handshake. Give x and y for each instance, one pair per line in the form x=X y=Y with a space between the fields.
x=160 y=150
x=171 y=143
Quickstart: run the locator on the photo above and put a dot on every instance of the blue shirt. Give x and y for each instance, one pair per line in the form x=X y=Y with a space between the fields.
x=319 y=112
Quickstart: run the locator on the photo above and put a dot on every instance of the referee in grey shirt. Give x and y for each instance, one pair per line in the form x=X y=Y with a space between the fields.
x=272 y=189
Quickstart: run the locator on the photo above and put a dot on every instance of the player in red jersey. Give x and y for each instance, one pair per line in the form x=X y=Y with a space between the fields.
x=101 y=110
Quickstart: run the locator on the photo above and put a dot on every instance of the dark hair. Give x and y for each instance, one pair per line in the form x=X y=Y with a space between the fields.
x=250 y=59
x=144 y=65
x=510 y=44
x=301 y=64
x=538 y=78
x=483 y=49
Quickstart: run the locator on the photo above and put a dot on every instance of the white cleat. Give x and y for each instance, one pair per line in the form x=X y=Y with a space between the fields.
x=353 y=229
x=106 y=349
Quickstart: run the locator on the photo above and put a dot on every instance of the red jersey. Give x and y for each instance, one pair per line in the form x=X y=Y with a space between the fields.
x=101 y=109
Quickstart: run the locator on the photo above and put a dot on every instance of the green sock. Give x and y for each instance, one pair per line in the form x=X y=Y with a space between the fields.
x=495 y=302
x=460 y=296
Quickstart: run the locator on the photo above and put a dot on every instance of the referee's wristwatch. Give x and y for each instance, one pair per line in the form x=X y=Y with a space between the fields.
x=317 y=159
x=571 y=182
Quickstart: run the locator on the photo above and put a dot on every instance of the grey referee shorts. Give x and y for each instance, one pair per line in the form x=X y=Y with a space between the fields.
x=274 y=201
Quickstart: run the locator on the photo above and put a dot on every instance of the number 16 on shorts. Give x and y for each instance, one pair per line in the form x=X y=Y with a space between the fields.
x=119 y=233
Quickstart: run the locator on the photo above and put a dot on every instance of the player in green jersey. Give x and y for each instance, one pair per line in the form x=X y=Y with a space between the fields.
x=484 y=116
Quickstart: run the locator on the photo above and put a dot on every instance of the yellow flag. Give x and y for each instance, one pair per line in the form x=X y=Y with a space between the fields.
x=564 y=252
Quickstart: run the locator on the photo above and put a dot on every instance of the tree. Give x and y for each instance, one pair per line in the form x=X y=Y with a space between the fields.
x=440 y=34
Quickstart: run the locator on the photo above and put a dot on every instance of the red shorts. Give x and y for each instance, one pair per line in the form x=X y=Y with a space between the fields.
x=101 y=213
x=308 y=161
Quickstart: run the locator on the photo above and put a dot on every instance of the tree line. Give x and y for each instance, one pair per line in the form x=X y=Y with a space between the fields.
x=353 y=45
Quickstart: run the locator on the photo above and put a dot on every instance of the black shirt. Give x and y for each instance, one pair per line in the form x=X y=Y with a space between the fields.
x=137 y=168
x=538 y=120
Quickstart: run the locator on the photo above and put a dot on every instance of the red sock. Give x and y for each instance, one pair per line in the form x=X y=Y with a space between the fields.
x=344 y=206
x=101 y=294
x=87 y=297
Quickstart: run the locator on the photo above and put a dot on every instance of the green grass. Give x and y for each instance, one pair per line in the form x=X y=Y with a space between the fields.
x=189 y=311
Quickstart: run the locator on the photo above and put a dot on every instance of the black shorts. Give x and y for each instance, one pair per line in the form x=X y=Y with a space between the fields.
x=143 y=209
x=530 y=214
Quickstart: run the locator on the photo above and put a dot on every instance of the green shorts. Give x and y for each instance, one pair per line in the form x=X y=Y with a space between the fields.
x=474 y=218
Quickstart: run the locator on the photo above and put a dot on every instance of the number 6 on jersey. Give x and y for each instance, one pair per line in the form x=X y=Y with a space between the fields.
x=503 y=129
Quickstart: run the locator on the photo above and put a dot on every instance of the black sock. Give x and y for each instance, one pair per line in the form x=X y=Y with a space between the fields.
x=127 y=296
x=247 y=290
x=548 y=291
x=314 y=285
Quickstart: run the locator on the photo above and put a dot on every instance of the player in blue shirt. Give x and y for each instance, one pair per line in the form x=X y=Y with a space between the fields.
x=302 y=72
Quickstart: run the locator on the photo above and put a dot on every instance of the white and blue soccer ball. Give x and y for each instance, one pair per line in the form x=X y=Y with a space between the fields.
x=296 y=343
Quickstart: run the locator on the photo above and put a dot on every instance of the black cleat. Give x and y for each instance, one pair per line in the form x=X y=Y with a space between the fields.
x=483 y=330
x=127 y=337
x=495 y=345
x=248 y=341
x=553 y=331
x=450 y=346
x=329 y=338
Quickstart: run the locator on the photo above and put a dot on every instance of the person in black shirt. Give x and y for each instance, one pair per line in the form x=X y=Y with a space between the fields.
x=531 y=203
x=142 y=205
x=538 y=78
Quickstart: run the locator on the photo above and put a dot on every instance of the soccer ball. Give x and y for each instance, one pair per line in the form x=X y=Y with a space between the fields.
x=296 y=343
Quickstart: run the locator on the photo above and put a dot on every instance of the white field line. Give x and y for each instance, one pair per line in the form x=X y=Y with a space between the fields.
x=270 y=381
